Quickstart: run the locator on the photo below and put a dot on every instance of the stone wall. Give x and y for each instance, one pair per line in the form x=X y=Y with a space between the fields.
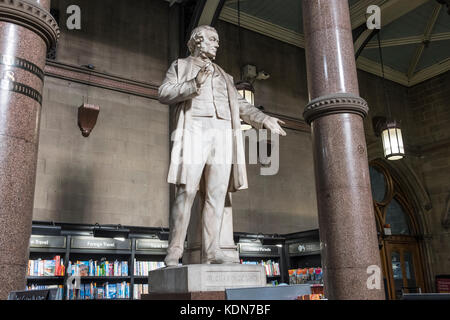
x=430 y=112
x=425 y=120
x=118 y=174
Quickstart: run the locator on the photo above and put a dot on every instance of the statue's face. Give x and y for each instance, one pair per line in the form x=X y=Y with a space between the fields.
x=209 y=45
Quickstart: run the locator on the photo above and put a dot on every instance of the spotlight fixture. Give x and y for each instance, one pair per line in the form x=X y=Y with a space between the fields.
x=117 y=232
x=163 y=235
x=46 y=230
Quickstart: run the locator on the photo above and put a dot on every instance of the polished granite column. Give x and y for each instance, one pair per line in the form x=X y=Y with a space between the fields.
x=27 y=30
x=346 y=217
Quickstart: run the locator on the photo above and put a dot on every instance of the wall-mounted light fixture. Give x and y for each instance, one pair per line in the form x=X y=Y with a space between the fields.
x=87 y=118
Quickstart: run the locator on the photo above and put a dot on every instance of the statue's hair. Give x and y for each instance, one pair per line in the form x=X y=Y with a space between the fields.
x=197 y=37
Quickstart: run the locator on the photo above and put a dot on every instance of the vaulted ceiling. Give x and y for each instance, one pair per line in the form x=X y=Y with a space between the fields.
x=415 y=34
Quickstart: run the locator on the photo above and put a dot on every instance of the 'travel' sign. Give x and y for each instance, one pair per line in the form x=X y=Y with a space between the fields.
x=151 y=244
x=47 y=242
x=100 y=243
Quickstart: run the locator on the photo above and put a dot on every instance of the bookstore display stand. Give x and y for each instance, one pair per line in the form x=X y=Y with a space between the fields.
x=108 y=268
x=84 y=267
x=305 y=266
x=269 y=256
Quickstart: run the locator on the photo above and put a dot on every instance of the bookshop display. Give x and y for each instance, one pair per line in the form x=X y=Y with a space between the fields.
x=84 y=268
x=80 y=267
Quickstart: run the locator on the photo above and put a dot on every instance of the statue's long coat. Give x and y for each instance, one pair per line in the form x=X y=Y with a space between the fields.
x=178 y=89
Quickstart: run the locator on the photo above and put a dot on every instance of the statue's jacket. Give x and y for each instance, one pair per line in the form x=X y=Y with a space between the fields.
x=178 y=89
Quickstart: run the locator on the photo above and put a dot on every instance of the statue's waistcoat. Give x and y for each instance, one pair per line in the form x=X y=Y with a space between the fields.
x=213 y=98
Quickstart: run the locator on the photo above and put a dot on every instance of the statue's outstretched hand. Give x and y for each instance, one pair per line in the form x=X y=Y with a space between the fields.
x=273 y=124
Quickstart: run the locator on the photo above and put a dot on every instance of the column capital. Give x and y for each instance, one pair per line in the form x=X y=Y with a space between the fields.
x=333 y=104
x=31 y=16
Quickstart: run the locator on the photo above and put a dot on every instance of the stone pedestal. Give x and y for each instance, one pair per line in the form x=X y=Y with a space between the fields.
x=27 y=30
x=205 y=278
x=346 y=217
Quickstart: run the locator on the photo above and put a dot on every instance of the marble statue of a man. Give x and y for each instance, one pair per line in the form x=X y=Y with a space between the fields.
x=208 y=113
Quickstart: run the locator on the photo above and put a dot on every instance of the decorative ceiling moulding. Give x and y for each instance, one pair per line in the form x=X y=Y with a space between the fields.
x=101 y=80
x=31 y=16
x=426 y=40
x=263 y=27
x=334 y=104
x=430 y=72
x=408 y=40
x=375 y=68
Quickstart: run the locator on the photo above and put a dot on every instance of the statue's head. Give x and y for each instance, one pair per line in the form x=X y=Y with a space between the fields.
x=204 y=42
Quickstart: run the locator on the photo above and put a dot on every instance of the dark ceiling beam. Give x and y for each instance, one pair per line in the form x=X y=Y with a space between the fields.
x=425 y=41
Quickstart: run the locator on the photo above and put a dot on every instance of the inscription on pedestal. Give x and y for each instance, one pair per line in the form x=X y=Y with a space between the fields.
x=219 y=278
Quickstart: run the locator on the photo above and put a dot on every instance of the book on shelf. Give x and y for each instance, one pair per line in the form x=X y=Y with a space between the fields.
x=142 y=268
x=272 y=268
x=305 y=276
x=46 y=268
x=139 y=290
x=93 y=291
x=98 y=268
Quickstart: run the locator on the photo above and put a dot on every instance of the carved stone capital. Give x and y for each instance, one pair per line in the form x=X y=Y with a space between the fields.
x=333 y=104
x=31 y=16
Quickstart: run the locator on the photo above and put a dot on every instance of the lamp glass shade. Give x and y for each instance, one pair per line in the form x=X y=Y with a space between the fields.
x=246 y=90
x=393 y=142
x=248 y=95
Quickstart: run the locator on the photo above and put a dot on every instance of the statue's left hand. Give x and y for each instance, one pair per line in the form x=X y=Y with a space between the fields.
x=273 y=124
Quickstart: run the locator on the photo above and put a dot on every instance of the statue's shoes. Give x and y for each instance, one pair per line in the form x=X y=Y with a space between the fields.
x=171 y=261
x=220 y=258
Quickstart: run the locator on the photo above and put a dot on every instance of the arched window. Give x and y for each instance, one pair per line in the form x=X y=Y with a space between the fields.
x=391 y=209
x=398 y=231
x=397 y=219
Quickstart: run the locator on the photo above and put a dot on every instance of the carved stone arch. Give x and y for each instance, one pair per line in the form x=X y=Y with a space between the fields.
x=420 y=201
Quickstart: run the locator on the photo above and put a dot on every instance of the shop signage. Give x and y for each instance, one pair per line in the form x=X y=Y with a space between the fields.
x=258 y=249
x=100 y=243
x=304 y=248
x=151 y=244
x=443 y=285
x=47 y=242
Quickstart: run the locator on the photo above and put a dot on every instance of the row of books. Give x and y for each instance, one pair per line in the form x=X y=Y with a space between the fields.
x=46 y=268
x=92 y=291
x=59 y=293
x=141 y=268
x=98 y=268
x=272 y=268
x=307 y=275
x=139 y=290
